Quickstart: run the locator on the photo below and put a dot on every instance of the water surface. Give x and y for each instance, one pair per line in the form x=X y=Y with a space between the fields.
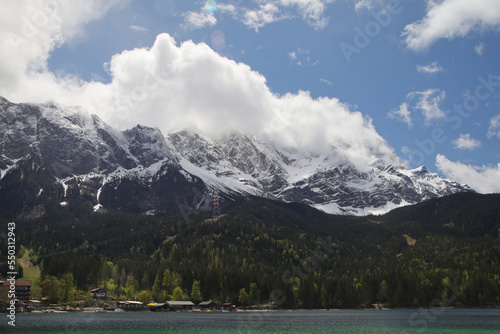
x=343 y=321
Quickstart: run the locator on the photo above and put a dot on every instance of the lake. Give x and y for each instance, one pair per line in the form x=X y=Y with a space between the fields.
x=454 y=321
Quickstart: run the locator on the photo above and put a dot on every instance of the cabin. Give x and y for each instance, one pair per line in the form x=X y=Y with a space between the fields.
x=180 y=305
x=228 y=307
x=98 y=293
x=207 y=306
x=32 y=304
x=129 y=305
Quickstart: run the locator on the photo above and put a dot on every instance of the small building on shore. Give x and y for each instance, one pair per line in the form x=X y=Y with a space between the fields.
x=129 y=305
x=32 y=304
x=228 y=307
x=98 y=293
x=207 y=306
x=22 y=290
x=180 y=305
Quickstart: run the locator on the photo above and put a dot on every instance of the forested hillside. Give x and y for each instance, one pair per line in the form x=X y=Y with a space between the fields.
x=441 y=252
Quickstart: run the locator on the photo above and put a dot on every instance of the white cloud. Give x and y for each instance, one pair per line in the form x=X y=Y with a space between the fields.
x=326 y=81
x=494 y=127
x=270 y=11
x=484 y=179
x=258 y=18
x=190 y=86
x=480 y=48
x=368 y=4
x=301 y=57
x=465 y=142
x=196 y=20
x=138 y=29
x=30 y=31
x=312 y=11
x=402 y=114
x=175 y=87
x=431 y=68
x=429 y=103
x=450 y=19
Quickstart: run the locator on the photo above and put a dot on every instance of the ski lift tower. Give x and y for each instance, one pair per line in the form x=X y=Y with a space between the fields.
x=215 y=203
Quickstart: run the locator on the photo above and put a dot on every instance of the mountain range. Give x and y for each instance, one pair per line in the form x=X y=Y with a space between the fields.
x=66 y=154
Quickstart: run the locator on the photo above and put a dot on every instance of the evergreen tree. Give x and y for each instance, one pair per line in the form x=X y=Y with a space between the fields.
x=243 y=297
x=196 y=296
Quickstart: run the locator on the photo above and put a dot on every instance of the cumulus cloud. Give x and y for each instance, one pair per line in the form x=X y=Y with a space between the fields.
x=431 y=68
x=450 y=19
x=186 y=86
x=494 y=127
x=465 y=142
x=190 y=86
x=484 y=179
x=29 y=32
x=401 y=114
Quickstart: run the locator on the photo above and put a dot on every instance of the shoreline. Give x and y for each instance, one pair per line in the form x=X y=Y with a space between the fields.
x=100 y=310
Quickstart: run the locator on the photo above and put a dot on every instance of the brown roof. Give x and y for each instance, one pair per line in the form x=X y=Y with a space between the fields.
x=206 y=303
x=23 y=283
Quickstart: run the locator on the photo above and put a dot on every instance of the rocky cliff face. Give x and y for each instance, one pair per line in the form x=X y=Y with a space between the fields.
x=324 y=181
x=67 y=154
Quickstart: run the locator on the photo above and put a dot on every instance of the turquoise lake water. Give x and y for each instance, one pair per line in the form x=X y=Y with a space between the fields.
x=450 y=321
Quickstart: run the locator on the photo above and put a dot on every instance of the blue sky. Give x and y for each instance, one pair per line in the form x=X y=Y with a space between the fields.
x=424 y=75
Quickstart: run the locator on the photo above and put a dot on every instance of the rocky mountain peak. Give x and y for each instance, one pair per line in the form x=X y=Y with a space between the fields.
x=140 y=170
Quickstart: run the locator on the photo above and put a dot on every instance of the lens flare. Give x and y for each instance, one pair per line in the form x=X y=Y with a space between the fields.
x=211 y=6
x=218 y=40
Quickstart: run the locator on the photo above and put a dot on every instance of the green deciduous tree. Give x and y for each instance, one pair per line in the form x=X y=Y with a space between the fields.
x=51 y=289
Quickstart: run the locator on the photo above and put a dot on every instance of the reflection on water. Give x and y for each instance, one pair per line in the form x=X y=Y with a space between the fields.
x=345 y=321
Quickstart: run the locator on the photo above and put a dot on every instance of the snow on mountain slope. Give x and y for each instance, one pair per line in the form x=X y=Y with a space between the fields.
x=87 y=160
x=326 y=181
x=139 y=170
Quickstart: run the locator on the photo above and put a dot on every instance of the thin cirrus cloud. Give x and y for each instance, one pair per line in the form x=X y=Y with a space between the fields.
x=494 y=127
x=138 y=28
x=267 y=12
x=479 y=49
x=431 y=69
x=450 y=19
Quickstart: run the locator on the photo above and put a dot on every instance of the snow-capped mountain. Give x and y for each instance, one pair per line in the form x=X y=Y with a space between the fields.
x=67 y=154
x=325 y=181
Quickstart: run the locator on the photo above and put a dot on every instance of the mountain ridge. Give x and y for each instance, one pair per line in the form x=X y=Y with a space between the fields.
x=140 y=170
